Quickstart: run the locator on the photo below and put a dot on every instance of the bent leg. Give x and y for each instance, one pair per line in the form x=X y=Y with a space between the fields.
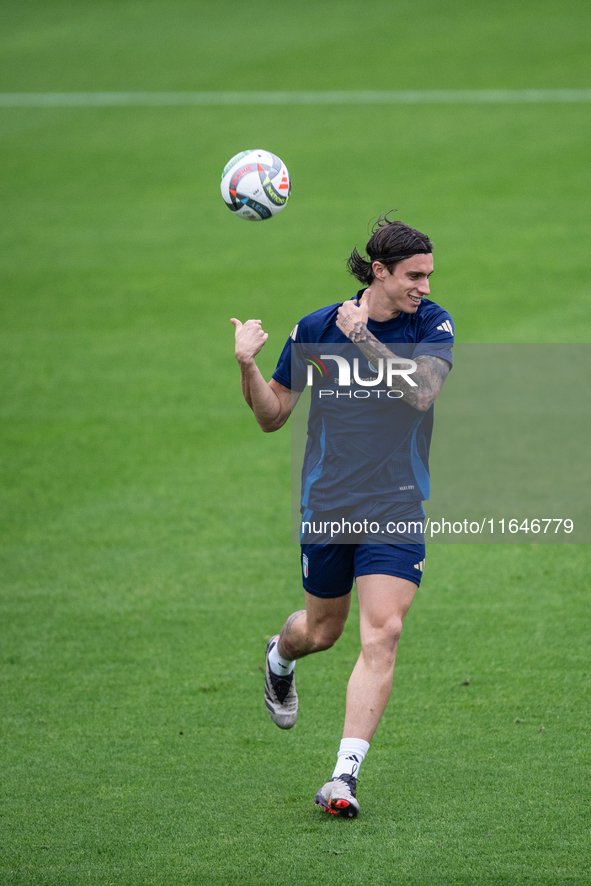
x=384 y=601
x=314 y=628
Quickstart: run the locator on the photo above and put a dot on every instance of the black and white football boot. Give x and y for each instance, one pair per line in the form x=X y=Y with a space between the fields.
x=281 y=697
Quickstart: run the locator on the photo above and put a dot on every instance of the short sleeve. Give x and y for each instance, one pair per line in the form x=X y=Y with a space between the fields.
x=436 y=336
x=291 y=366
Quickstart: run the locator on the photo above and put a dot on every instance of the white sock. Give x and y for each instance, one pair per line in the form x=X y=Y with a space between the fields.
x=280 y=666
x=350 y=757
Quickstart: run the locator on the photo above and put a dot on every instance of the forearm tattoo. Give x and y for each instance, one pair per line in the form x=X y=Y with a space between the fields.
x=429 y=377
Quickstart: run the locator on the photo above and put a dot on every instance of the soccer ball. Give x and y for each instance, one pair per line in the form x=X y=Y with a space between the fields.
x=255 y=185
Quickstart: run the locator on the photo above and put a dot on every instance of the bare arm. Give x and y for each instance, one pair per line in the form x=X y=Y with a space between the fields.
x=431 y=371
x=270 y=402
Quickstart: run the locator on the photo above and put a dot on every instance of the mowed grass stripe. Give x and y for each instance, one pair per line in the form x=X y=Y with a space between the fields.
x=385 y=97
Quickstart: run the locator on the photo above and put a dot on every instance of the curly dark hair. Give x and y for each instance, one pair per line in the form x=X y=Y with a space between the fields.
x=391 y=241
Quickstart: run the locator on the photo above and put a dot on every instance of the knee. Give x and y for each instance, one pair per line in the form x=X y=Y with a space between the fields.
x=394 y=631
x=326 y=634
x=381 y=641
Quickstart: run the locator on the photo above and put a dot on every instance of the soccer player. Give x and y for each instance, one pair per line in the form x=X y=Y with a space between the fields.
x=391 y=476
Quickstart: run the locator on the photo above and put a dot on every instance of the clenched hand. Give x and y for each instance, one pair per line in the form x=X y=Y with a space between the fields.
x=250 y=338
x=353 y=315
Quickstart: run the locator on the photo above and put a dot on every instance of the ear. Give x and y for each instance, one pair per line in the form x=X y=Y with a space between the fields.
x=379 y=270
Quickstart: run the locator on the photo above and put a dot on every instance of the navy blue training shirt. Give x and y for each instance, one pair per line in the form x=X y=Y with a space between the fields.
x=362 y=445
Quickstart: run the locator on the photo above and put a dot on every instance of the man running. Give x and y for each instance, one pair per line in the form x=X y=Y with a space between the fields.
x=385 y=477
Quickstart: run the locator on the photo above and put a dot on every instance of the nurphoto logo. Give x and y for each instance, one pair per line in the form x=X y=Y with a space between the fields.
x=392 y=369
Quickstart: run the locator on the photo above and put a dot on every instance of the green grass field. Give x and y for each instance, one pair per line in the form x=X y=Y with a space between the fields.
x=145 y=519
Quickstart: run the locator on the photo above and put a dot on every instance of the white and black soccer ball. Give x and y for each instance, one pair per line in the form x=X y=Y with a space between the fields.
x=255 y=185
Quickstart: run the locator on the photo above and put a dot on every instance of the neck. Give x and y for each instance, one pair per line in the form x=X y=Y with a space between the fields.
x=380 y=308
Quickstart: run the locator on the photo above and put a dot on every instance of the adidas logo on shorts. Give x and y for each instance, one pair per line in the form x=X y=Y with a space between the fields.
x=420 y=565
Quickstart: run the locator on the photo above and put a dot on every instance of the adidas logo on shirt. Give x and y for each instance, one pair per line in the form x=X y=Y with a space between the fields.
x=446 y=327
x=420 y=565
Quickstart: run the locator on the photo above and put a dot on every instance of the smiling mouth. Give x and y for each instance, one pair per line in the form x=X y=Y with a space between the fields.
x=416 y=299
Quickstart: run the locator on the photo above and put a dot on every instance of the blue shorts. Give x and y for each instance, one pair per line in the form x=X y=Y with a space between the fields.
x=328 y=570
